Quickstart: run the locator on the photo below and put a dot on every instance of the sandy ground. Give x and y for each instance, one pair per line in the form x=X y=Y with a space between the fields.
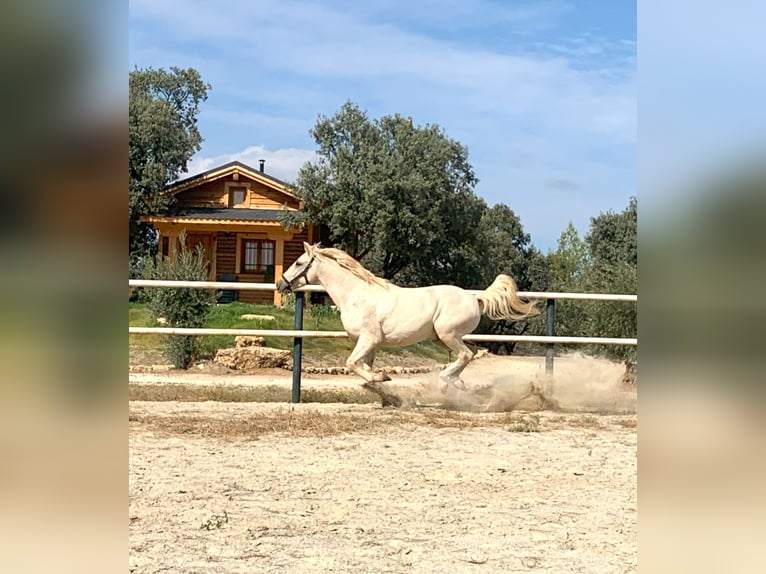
x=254 y=487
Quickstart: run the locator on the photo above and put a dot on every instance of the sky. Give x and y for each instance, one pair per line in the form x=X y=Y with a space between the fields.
x=543 y=94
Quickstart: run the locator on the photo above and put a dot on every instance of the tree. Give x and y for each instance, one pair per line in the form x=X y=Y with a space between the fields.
x=163 y=136
x=396 y=196
x=612 y=248
x=506 y=248
x=613 y=237
x=569 y=268
x=569 y=263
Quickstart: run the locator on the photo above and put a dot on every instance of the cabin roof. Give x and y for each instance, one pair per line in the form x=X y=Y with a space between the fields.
x=222 y=216
x=225 y=170
x=236 y=214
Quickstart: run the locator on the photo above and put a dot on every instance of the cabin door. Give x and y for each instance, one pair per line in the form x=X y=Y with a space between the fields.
x=206 y=240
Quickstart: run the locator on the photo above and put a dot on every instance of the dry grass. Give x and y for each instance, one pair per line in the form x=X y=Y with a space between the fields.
x=241 y=394
x=627 y=422
x=284 y=421
x=207 y=411
x=312 y=423
x=586 y=421
x=528 y=423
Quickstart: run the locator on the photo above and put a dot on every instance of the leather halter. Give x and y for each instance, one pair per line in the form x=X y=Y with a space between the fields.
x=301 y=274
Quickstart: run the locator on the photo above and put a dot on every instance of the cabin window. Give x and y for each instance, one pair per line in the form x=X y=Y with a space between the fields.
x=257 y=255
x=237 y=196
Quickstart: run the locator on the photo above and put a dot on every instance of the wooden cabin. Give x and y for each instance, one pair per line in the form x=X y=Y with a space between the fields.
x=233 y=212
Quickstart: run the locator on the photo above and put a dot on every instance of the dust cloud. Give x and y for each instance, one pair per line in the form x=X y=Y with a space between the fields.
x=579 y=383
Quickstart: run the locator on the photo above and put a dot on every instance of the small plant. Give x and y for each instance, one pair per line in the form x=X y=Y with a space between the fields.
x=215 y=521
x=529 y=423
x=288 y=302
x=320 y=314
x=180 y=307
x=630 y=423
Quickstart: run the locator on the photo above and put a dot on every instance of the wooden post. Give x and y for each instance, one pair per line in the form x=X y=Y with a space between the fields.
x=279 y=267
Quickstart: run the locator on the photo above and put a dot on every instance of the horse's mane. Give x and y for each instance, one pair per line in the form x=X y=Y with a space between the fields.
x=345 y=261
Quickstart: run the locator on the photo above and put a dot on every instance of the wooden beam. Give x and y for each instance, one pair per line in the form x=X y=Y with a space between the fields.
x=279 y=266
x=273 y=229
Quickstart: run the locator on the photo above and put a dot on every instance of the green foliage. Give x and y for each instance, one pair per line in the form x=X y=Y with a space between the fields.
x=180 y=307
x=612 y=247
x=228 y=316
x=613 y=237
x=163 y=136
x=569 y=263
x=604 y=262
x=569 y=267
x=288 y=302
x=322 y=315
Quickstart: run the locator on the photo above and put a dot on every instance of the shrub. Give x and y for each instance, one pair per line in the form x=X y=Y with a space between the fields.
x=322 y=314
x=180 y=307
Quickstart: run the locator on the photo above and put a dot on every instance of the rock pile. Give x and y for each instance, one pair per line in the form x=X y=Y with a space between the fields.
x=249 y=353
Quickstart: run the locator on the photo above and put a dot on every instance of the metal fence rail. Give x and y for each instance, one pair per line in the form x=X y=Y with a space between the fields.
x=298 y=334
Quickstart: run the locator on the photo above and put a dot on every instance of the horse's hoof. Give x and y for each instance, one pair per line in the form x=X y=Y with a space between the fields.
x=452 y=386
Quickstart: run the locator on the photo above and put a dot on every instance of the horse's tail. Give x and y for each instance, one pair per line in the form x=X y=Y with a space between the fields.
x=501 y=301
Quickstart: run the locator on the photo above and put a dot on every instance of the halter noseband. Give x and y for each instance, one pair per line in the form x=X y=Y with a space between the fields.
x=301 y=274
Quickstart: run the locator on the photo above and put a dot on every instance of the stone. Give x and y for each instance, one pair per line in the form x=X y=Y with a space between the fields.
x=247 y=358
x=249 y=341
x=251 y=317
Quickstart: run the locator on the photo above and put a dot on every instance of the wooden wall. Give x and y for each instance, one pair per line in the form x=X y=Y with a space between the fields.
x=226 y=253
x=213 y=194
x=263 y=197
x=210 y=194
x=294 y=247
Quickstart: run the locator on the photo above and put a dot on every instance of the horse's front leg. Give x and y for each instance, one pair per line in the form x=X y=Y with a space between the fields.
x=360 y=361
x=368 y=360
x=450 y=375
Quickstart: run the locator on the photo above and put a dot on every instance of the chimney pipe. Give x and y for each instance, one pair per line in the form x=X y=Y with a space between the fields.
x=262 y=162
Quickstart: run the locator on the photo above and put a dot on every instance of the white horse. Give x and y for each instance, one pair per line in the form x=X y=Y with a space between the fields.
x=376 y=312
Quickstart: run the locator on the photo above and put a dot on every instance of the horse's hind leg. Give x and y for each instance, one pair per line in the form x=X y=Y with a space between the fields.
x=451 y=373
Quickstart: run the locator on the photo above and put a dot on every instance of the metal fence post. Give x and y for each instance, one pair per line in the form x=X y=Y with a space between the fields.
x=297 y=347
x=550 y=317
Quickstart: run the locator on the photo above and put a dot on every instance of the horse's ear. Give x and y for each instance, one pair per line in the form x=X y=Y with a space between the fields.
x=307 y=247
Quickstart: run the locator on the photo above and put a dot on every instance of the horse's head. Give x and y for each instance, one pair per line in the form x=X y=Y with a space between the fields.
x=300 y=273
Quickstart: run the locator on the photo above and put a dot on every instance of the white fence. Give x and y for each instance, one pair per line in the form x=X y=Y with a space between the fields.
x=298 y=334
x=234 y=286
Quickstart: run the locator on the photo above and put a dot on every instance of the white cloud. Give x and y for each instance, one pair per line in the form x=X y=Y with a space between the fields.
x=314 y=44
x=281 y=163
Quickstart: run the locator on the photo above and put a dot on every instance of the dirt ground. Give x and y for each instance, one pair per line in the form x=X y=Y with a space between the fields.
x=257 y=487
